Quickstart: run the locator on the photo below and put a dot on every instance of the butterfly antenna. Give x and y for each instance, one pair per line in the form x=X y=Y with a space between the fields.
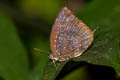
x=41 y=50
x=95 y=29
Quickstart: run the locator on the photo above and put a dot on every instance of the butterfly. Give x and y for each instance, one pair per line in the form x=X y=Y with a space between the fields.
x=70 y=37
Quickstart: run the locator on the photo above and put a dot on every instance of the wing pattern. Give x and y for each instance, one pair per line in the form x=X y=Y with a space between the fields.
x=70 y=37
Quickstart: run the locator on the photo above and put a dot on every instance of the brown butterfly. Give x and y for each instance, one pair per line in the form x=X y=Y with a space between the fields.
x=70 y=37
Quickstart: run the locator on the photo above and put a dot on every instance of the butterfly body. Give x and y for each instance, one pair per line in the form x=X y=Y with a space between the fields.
x=70 y=37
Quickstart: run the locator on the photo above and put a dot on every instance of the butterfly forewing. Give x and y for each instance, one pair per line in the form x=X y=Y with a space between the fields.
x=69 y=36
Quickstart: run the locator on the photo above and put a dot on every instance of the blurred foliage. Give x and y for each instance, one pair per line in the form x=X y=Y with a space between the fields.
x=46 y=9
x=32 y=19
x=14 y=64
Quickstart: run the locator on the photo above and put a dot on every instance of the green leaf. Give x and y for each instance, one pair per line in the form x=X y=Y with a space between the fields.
x=106 y=46
x=13 y=57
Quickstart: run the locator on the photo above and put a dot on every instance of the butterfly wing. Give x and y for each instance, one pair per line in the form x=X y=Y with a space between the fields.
x=69 y=36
